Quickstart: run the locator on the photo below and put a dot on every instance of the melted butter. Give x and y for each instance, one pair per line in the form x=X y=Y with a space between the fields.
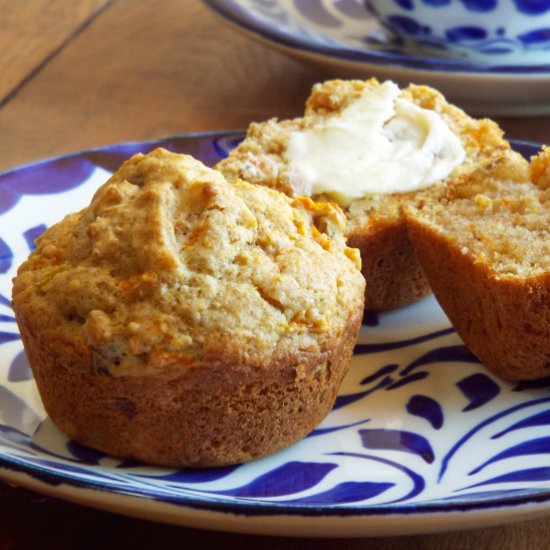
x=378 y=144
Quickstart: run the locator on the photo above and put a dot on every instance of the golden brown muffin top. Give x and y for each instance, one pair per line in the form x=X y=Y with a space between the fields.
x=172 y=266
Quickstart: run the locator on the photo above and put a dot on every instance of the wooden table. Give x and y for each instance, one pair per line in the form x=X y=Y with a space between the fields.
x=81 y=74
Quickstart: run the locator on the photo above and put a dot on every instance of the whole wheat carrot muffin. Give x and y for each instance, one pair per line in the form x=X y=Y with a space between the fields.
x=373 y=149
x=485 y=249
x=185 y=321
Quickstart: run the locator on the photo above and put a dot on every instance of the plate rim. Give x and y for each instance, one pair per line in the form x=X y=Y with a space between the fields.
x=366 y=57
x=269 y=509
x=282 y=525
x=129 y=143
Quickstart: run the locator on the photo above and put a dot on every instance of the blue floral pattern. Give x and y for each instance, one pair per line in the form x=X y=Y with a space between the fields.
x=419 y=425
x=448 y=25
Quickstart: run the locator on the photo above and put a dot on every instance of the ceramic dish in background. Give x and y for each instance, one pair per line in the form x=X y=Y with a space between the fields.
x=421 y=439
x=343 y=37
x=486 y=31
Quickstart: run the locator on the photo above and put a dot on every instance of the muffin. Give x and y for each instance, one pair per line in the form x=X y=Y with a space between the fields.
x=386 y=148
x=184 y=321
x=485 y=249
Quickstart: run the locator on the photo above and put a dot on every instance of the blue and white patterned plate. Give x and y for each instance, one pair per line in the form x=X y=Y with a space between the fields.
x=421 y=438
x=346 y=39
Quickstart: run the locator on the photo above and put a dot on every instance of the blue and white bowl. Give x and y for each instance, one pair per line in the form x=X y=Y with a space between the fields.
x=507 y=31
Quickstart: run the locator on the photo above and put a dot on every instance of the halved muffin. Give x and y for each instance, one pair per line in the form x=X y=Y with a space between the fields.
x=485 y=249
x=351 y=125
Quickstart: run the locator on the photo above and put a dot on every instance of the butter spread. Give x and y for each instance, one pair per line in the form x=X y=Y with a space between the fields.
x=377 y=144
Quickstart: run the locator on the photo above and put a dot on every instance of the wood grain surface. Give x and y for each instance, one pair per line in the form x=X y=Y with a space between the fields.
x=32 y=32
x=83 y=74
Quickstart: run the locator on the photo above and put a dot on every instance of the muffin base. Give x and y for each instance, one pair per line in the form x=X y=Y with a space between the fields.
x=392 y=271
x=211 y=414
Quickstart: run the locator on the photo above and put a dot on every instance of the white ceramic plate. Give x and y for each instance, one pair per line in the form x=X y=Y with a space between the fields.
x=421 y=438
x=343 y=37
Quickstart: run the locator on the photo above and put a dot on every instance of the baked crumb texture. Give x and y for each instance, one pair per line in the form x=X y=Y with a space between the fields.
x=184 y=321
x=485 y=249
x=376 y=223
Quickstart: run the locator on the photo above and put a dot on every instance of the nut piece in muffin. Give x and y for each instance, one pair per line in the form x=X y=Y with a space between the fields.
x=373 y=149
x=485 y=249
x=185 y=321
